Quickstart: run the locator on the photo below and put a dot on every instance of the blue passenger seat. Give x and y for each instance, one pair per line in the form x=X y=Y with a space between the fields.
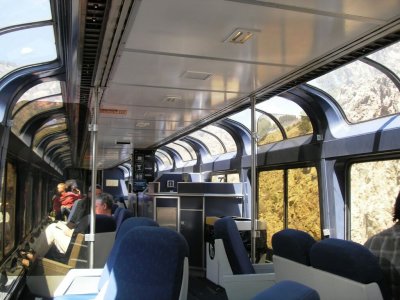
x=226 y=229
x=293 y=244
x=349 y=260
x=288 y=290
x=122 y=216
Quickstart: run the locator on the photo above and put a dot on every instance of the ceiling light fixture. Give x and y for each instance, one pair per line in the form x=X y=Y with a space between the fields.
x=241 y=35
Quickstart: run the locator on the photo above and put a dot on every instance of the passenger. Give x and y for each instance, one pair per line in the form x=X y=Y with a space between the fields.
x=82 y=207
x=68 y=197
x=57 y=201
x=386 y=246
x=59 y=234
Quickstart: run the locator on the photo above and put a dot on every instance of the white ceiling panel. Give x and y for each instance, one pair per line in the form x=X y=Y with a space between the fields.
x=200 y=28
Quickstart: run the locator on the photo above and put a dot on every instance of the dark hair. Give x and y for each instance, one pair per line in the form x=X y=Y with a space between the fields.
x=70 y=185
x=396 y=213
x=98 y=186
x=106 y=199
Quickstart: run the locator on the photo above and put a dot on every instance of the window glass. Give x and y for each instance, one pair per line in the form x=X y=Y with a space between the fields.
x=389 y=57
x=243 y=117
x=165 y=158
x=26 y=47
x=182 y=151
x=363 y=92
x=303 y=201
x=224 y=136
x=27 y=200
x=37 y=199
x=58 y=141
x=23 y=11
x=289 y=114
x=47 y=130
x=374 y=188
x=41 y=90
x=188 y=148
x=213 y=145
x=267 y=130
x=271 y=201
x=34 y=108
x=10 y=203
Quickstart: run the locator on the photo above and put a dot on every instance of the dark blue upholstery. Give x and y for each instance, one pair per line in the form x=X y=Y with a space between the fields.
x=293 y=244
x=122 y=216
x=149 y=265
x=348 y=259
x=114 y=208
x=125 y=227
x=73 y=209
x=117 y=211
x=288 y=290
x=105 y=223
x=226 y=229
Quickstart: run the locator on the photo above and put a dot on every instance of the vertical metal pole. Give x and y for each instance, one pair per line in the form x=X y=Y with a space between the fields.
x=253 y=178
x=93 y=129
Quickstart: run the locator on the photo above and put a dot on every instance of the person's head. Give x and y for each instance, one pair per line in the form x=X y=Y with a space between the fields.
x=61 y=188
x=396 y=211
x=104 y=204
x=71 y=185
x=98 y=190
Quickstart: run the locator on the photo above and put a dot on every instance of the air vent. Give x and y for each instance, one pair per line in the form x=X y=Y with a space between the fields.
x=172 y=99
x=196 y=75
x=122 y=142
x=241 y=36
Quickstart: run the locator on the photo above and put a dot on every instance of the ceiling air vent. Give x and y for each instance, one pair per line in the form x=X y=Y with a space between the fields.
x=172 y=99
x=122 y=142
x=196 y=75
x=241 y=36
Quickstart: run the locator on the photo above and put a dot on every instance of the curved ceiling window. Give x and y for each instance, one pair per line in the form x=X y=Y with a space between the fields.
x=23 y=11
x=57 y=142
x=187 y=147
x=277 y=119
x=47 y=130
x=389 y=57
x=26 y=47
x=165 y=158
x=40 y=98
x=363 y=92
x=183 y=151
x=286 y=120
x=213 y=144
x=226 y=139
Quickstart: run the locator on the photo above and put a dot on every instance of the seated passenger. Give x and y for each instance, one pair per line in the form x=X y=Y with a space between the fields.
x=82 y=208
x=68 y=197
x=386 y=246
x=59 y=234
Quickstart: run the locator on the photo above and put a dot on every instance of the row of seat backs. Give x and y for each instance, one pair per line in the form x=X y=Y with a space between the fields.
x=340 y=257
x=146 y=262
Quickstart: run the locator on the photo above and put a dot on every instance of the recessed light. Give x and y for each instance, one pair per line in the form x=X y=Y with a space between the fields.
x=142 y=124
x=241 y=35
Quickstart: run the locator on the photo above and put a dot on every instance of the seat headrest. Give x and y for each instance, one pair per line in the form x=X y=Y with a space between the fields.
x=347 y=259
x=288 y=290
x=149 y=265
x=293 y=244
x=105 y=223
x=226 y=229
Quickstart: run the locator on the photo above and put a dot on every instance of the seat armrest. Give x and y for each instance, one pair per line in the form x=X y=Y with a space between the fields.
x=264 y=268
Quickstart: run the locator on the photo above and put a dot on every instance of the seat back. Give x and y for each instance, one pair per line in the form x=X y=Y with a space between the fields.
x=149 y=264
x=226 y=229
x=291 y=255
x=122 y=216
x=73 y=209
x=104 y=223
x=288 y=290
x=357 y=269
x=125 y=227
x=293 y=244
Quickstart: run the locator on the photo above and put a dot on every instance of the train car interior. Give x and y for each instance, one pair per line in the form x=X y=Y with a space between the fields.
x=237 y=149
